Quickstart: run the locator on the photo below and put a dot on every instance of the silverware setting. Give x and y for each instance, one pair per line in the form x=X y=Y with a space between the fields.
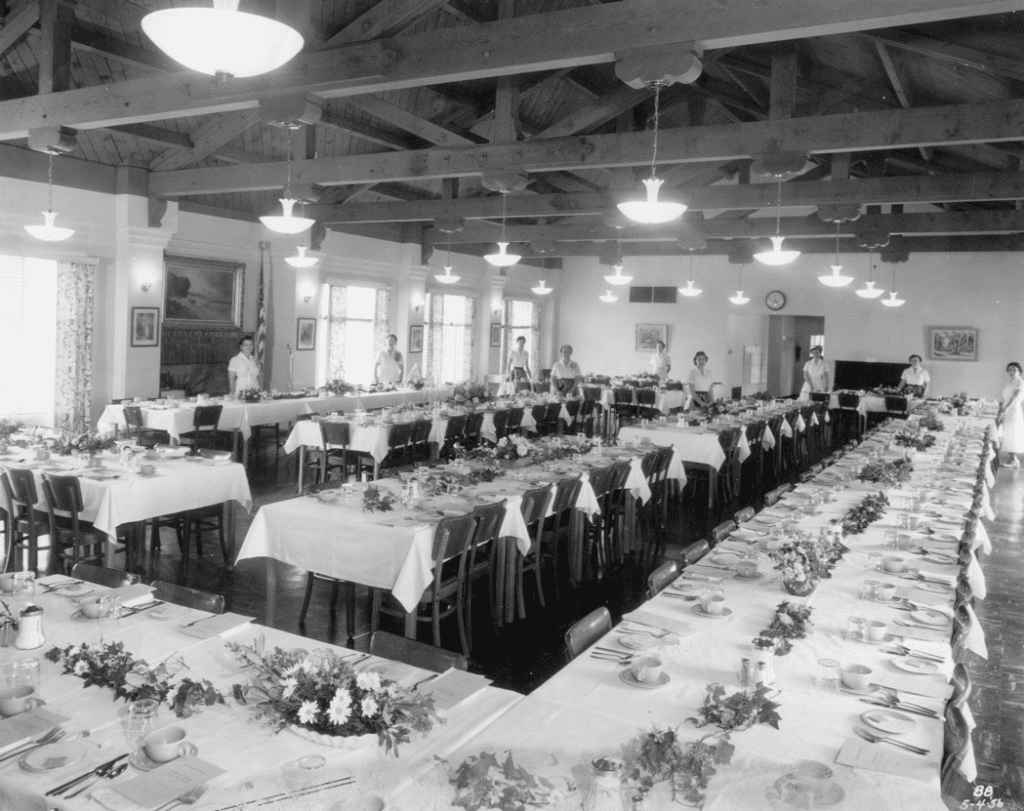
x=63 y=584
x=135 y=609
x=901 y=707
x=117 y=771
x=903 y=650
x=657 y=633
x=622 y=659
x=52 y=736
x=100 y=771
x=872 y=738
x=431 y=677
x=188 y=798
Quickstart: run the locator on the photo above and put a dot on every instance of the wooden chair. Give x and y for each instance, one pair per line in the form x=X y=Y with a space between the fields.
x=849 y=417
x=622 y=405
x=751 y=481
x=417 y=654
x=587 y=418
x=102 y=576
x=419 y=442
x=398 y=446
x=661 y=577
x=474 y=422
x=617 y=529
x=199 y=521
x=955 y=743
x=695 y=552
x=20 y=488
x=645 y=400
x=772 y=496
x=562 y=529
x=773 y=460
x=962 y=687
x=453 y=435
x=592 y=551
x=333 y=453
x=501 y=423
x=204 y=433
x=136 y=428
x=896 y=406
x=653 y=515
x=446 y=593
x=721 y=532
x=534 y=507
x=572 y=408
x=744 y=515
x=190 y=598
x=515 y=421
x=962 y=626
x=586 y=632
x=70 y=537
x=483 y=563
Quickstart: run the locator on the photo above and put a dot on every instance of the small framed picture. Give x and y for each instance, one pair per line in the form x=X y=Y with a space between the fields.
x=416 y=338
x=495 y=334
x=648 y=335
x=145 y=326
x=305 y=333
x=954 y=343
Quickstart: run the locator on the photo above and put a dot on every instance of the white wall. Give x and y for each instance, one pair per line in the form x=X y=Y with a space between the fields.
x=983 y=290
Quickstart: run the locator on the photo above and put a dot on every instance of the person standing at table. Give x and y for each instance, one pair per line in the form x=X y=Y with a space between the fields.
x=700 y=379
x=661 y=363
x=566 y=373
x=243 y=370
x=519 y=362
x=915 y=380
x=815 y=374
x=389 y=366
x=1011 y=415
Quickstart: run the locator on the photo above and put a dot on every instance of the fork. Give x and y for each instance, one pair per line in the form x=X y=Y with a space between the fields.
x=622 y=659
x=188 y=798
x=870 y=738
x=52 y=736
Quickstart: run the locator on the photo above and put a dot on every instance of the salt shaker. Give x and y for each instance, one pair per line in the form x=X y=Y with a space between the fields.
x=30 y=628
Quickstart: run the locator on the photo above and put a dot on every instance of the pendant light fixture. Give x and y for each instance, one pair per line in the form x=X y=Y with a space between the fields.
x=836 y=280
x=651 y=210
x=288 y=224
x=222 y=41
x=618 y=279
x=690 y=291
x=776 y=256
x=739 y=298
x=446 y=277
x=893 y=301
x=49 y=232
x=502 y=259
x=542 y=289
x=608 y=298
x=869 y=291
x=301 y=261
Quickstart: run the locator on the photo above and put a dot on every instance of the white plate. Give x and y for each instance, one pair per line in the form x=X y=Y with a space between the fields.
x=700 y=612
x=871 y=688
x=75 y=590
x=53 y=756
x=919 y=667
x=888 y=721
x=168 y=612
x=628 y=677
x=638 y=641
x=925 y=617
x=757 y=576
x=141 y=761
x=78 y=616
x=936 y=588
x=724 y=558
x=938 y=557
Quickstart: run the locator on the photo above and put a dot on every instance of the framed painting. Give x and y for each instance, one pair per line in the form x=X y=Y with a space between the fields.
x=145 y=326
x=953 y=343
x=305 y=333
x=203 y=292
x=495 y=334
x=648 y=335
x=416 y=338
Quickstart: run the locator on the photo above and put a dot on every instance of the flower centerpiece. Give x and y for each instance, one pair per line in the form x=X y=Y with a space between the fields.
x=89 y=443
x=511 y=451
x=889 y=473
x=321 y=698
x=468 y=395
x=791 y=621
x=486 y=781
x=338 y=387
x=110 y=665
x=920 y=442
x=252 y=395
x=7 y=429
x=377 y=500
x=867 y=512
x=932 y=423
x=802 y=565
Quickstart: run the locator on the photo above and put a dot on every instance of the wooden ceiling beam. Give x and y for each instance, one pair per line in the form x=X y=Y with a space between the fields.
x=404 y=120
x=179 y=140
x=17 y=23
x=854 y=132
x=206 y=140
x=366 y=132
x=105 y=43
x=385 y=19
x=564 y=38
x=957 y=54
x=598 y=112
x=56 y=21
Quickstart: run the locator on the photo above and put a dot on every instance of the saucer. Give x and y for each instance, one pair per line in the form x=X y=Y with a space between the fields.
x=937 y=588
x=756 y=576
x=75 y=590
x=628 y=677
x=78 y=616
x=939 y=557
x=919 y=667
x=700 y=612
x=168 y=612
x=141 y=761
x=888 y=721
x=53 y=756
x=725 y=558
x=871 y=688
x=825 y=796
x=638 y=641
x=925 y=617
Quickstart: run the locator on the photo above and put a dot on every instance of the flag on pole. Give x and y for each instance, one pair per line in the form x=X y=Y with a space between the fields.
x=260 y=350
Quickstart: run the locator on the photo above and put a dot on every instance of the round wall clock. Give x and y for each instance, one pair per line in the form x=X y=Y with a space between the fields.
x=775 y=300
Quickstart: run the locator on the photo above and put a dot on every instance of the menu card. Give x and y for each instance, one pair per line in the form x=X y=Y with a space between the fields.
x=168 y=782
x=918 y=685
x=453 y=687
x=658 y=622
x=877 y=757
x=215 y=625
x=26 y=725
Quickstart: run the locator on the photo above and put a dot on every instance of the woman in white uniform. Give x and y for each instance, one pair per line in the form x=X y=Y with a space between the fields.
x=389 y=366
x=915 y=380
x=565 y=374
x=815 y=373
x=661 y=363
x=1011 y=415
x=700 y=379
x=519 y=362
x=243 y=370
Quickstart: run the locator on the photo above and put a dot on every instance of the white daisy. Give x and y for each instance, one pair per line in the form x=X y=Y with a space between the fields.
x=288 y=686
x=368 y=681
x=370 y=707
x=340 y=708
x=81 y=667
x=308 y=712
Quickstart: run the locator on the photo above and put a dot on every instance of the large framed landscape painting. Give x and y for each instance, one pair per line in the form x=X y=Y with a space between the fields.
x=953 y=343
x=203 y=292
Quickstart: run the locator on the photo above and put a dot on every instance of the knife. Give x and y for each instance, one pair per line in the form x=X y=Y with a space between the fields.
x=101 y=768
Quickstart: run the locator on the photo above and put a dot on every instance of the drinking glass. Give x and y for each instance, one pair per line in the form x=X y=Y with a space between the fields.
x=869 y=590
x=110 y=613
x=826 y=678
x=890 y=538
x=142 y=719
x=875 y=560
x=24 y=583
x=857 y=629
x=24 y=673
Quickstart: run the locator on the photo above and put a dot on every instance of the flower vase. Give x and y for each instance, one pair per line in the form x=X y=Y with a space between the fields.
x=800 y=588
x=351 y=743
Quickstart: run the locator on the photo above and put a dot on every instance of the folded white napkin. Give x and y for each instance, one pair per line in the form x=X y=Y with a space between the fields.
x=967 y=765
x=975 y=640
x=976 y=578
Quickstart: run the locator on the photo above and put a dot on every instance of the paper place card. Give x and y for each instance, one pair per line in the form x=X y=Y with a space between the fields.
x=167 y=782
x=453 y=687
x=215 y=625
x=27 y=725
x=130 y=595
x=918 y=685
x=658 y=622
x=879 y=757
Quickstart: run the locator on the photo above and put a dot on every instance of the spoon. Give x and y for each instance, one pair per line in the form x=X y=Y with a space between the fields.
x=117 y=771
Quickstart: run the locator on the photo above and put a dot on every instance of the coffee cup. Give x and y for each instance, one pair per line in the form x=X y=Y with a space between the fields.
x=856 y=677
x=713 y=604
x=913 y=521
x=646 y=669
x=893 y=564
x=147 y=470
x=163 y=745
x=7 y=582
x=90 y=607
x=886 y=592
x=14 y=700
x=877 y=630
x=902 y=540
x=747 y=568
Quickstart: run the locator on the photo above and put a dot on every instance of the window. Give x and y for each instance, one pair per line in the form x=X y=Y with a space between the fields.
x=28 y=334
x=522 y=318
x=357 y=329
x=449 y=339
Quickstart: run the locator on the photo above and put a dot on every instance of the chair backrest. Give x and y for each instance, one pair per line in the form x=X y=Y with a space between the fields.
x=772 y=496
x=744 y=515
x=535 y=504
x=895 y=403
x=623 y=396
x=601 y=479
x=23 y=487
x=399 y=435
x=661 y=577
x=585 y=632
x=695 y=552
x=566 y=494
x=190 y=598
x=206 y=417
x=821 y=396
x=451 y=540
x=961 y=681
x=591 y=393
x=418 y=654
x=474 y=422
x=539 y=412
x=421 y=431
x=729 y=439
x=488 y=522
x=572 y=407
x=133 y=418
x=721 y=532
x=102 y=576
x=806 y=476
x=646 y=397
x=956 y=738
x=848 y=399
x=335 y=432
x=961 y=628
x=620 y=473
x=500 y=422
x=63 y=494
x=515 y=419
x=456 y=427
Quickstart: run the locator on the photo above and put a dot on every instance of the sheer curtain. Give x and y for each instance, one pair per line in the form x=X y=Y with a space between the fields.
x=450 y=341
x=522 y=318
x=358 y=326
x=76 y=282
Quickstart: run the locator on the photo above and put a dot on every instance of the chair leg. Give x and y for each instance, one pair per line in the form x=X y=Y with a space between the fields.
x=460 y=617
x=185 y=540
x=305 y=600
x=222 y=537
x=375 y=601
x=536 y=573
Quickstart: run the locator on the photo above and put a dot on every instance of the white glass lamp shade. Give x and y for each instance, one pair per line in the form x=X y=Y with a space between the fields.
x=892 y=301
x=446 y=277
x=739 y=298
x=776 y=256
x=287 y=224
x=301 y=261
x=542 y=289
x=618 y=279
x=222 y=41
x=651 y=210
x=835 y=279
x=502 y=259
x=869 y=291
x=608 y=298
x=49 y=232
x=690 y=291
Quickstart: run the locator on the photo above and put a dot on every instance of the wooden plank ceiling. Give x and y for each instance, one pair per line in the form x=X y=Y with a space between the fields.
x=900 y=119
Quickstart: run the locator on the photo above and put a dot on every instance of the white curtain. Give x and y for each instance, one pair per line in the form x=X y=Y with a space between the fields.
x=76 y=283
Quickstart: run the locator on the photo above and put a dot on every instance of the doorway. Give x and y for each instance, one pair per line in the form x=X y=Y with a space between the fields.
x=789 y=345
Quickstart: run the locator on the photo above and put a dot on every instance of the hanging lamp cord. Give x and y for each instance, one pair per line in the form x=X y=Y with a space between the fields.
x=837 y=242
x=49 y=185
x=654 y=152
x=288 y=161
x=778 y=207
x=691 y=265
x=504 y=198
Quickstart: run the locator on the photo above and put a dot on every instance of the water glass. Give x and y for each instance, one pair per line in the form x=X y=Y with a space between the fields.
x=827 y=676
x=869 y=590
x=875 y=561
x=890 y=539
x=24 y=673
x=143 y=717
x=110 y=613
x=24 y=583
x=857 y=629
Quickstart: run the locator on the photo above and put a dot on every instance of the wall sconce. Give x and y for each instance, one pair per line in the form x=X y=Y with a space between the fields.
x=307 y=292
x=146 y=286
